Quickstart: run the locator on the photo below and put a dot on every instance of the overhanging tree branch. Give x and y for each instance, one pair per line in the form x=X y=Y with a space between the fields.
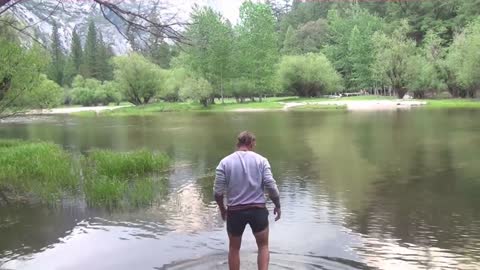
x=138 y=21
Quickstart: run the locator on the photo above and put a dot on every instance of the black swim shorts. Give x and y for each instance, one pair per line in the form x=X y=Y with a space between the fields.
x=257 y=218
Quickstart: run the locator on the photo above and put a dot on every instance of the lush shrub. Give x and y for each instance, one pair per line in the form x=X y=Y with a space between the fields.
x=175 y=78
x=308 y=75
x=45 y=94
x=112 y=94
x=91 y=92
x=84 y=96
x=197 y=89
x=138 y=79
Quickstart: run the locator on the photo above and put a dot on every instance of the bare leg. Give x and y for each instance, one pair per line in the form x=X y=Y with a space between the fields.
x=263 y=252
x=234 y=252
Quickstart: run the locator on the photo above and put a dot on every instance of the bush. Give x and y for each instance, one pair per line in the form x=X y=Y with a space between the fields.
x=175 y=78
x=91 y=92
x=138 y=79
x=308 y=75
x=46 y=94
x=197 y=89
x=84 y=96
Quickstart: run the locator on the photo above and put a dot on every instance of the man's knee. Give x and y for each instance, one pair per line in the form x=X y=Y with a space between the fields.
x=262 y=238
x=235 y=243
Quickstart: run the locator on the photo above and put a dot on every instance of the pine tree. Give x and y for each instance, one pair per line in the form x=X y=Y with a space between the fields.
x=76 y=52
x=91 y=52
x=104 y=69
x=74 y=61
x=290 y=42
x=55 y=70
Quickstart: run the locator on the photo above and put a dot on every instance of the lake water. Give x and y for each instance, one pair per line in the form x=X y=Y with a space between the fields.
x=360 y=190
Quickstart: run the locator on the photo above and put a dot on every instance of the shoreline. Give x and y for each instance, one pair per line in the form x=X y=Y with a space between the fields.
x=273 y=104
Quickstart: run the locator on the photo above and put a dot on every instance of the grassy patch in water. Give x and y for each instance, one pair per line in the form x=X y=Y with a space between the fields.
x=39 y=169
x=121 y=165
x=113 y=178
x=44 y=171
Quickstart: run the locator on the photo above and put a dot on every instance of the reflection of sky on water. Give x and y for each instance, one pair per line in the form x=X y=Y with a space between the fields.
x=397 y=200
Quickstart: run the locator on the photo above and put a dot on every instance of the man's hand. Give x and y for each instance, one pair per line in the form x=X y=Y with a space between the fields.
x=278 y=212
x=221 y=206
x=223 y=213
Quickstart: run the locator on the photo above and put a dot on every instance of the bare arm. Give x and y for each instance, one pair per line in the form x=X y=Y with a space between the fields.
x=272 y=189
x=219 y=189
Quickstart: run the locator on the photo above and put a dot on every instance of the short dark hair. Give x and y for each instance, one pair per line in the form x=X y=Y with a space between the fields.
x=245 y=138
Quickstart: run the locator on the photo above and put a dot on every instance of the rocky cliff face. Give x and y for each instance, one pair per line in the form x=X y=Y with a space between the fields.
x=40 y=15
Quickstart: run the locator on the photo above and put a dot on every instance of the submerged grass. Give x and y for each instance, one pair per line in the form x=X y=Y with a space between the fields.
x=39 y=169
x=114 y=178
x=118 y=165
x=44 y=171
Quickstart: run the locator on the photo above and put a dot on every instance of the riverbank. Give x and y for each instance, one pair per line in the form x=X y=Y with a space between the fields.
x=359 y=103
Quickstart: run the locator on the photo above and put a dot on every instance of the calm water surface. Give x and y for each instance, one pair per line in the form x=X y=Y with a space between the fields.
x=365 y=190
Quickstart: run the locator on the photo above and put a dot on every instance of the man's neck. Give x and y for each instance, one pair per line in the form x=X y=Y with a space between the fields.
x=244 y=148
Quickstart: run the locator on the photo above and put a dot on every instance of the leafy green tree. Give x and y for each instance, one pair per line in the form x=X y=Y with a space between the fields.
x=308 y=75
x=197 y=89
x=256 y=52
x=241 y=88
x=175 y=80
x=350 y=45
x=112 y=92
x=290 y=45
x=209 y=54
x=393 y=58
x=426 y=67
x=57 y=63
x=464 y=58
x=20 y=71
x=46 y=94
x=138 y=79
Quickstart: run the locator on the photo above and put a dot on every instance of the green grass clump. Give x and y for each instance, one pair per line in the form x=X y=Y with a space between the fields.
x=121 y=165
x=41 y=169
x=104 y=191
x=142 y=192
x=113 y=178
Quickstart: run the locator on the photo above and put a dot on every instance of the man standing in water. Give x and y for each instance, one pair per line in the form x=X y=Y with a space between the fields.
x=243 y=176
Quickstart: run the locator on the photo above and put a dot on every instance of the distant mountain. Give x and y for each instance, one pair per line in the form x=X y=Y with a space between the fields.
x=71 y=14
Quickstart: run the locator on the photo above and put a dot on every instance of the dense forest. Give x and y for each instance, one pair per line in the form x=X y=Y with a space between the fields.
x=302 y=48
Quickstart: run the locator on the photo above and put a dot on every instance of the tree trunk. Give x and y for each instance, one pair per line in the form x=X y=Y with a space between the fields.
x=221 y=90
